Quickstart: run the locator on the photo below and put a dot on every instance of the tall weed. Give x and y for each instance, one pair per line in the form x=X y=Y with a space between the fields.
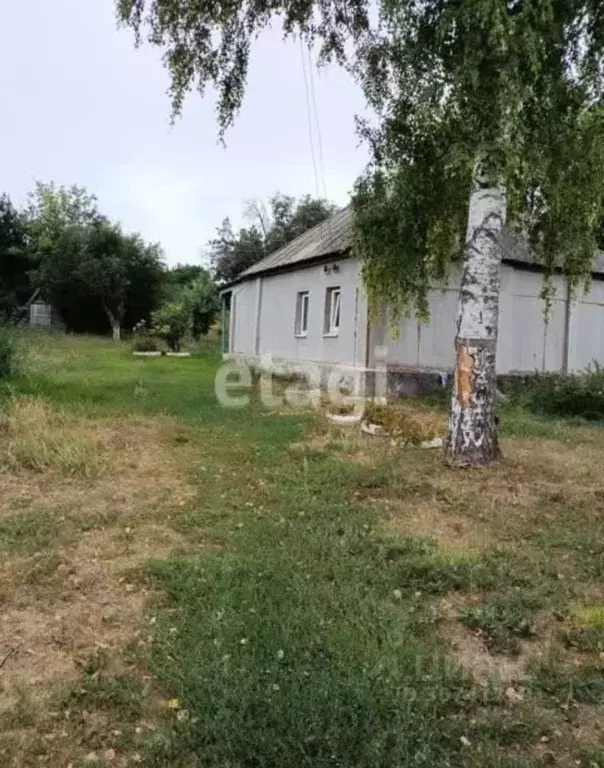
x=9 y=352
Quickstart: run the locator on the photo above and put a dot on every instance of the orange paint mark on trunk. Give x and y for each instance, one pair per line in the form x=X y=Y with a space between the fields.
x=464 y=374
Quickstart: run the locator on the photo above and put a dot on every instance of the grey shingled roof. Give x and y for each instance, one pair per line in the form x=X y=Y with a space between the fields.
x=329 y=237
x=515 y=249
x=333 y=237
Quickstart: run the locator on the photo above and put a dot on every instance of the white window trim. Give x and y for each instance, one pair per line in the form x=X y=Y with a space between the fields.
x=335 y=310
x=302 y=298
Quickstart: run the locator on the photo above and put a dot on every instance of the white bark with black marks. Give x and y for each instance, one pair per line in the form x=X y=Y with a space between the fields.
x=472 y=439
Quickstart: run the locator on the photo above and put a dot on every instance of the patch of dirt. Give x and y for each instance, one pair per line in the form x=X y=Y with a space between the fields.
x=471 y=654
x=589 y=730
x=449 y=529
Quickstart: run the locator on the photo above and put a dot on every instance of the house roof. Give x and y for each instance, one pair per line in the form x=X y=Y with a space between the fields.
x=329 y=237
x=332 y=237
x=516 y=250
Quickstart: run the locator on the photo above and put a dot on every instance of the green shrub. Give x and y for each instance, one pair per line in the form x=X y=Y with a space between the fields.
x=8 y=353
x=172 y=322
x=143 y=340
x=579 y=395
x=145 y=343
x=203 y=304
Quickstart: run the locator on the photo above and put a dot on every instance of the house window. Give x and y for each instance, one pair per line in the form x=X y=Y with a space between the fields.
x=332 y=311
x=301 y=325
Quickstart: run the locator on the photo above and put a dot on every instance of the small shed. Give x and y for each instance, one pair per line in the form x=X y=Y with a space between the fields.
x=39 y=312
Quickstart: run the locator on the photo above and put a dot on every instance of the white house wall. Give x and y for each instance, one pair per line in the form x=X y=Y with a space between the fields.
x=243 y=302
x=587 y=328
x=264 y=308
x=273 y=315
x=526 y=342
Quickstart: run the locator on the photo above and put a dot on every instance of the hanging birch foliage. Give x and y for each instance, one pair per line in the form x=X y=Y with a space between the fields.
x=520 y=83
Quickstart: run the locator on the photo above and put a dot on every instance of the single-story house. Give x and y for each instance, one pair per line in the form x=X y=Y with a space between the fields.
x=306 y=303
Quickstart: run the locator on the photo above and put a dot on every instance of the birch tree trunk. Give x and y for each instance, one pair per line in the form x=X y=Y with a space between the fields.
x=472 y=439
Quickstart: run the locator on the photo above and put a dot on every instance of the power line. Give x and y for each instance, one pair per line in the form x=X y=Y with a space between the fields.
x=317 y=123
x=310 y=121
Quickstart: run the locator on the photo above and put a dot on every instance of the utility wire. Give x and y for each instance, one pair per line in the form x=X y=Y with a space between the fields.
x=317 y=123
x=310 y=121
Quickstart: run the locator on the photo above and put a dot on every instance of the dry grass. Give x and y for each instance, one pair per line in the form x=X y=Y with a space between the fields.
x=54 y=459
x=106 y=491
x=536 y=483
x=543 y=505
x=402 y=424
x=450 y=530
x=37 y=437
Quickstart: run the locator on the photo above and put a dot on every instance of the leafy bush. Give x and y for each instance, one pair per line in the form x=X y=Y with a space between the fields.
x=172 y=322
x=579 y=395
x=145 y=343
x=8 y=353
x=143 y=340
x=203 y=304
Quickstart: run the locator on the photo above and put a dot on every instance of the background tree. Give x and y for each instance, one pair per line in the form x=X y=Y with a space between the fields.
x=103 y=271
x=51 y=209
x=291 y=218
x=57 y=220
x=15 y=259
x=183 y=276
x=232 y=253
x=96 y=275
x=146 y=272
x=271 y=227
x=490 y=113
x=204 y=305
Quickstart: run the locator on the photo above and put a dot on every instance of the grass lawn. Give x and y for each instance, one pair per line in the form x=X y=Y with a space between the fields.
x=186 y=585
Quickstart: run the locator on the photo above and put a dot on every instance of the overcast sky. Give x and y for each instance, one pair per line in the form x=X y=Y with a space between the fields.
x=80 y=105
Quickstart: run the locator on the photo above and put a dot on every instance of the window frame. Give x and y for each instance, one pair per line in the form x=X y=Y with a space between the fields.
x=302 y=314
x=333 y=310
